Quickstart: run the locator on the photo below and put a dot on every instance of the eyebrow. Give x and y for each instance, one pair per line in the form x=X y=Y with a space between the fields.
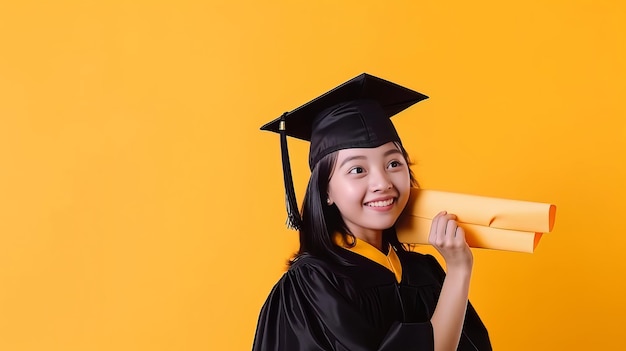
x=360 y=157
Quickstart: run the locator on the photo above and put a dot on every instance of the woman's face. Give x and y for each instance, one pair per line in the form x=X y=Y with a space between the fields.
x=370 y=187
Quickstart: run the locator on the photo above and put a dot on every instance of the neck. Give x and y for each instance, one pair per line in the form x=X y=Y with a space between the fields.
x=372 y=237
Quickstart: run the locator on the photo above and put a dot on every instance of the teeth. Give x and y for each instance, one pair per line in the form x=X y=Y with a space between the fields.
x=379 y=203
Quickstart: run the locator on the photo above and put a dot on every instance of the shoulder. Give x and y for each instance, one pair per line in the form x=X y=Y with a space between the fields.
x=305 y=260
x=308 y=280
x=309 y=263
x=296 y=310
x=309 y=267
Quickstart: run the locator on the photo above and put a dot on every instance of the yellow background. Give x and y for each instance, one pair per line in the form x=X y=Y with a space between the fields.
x=141 y=208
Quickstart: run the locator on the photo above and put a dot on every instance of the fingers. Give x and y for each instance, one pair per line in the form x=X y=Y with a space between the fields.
x=451 y=230
x=445 y=231
x=449 y=239
x=432 y=235
x=460 y=234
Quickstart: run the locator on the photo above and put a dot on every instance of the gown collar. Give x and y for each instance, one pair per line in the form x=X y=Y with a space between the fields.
x=365 y=249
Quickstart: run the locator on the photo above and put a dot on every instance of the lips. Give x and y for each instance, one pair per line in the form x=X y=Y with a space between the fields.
x=380 y=203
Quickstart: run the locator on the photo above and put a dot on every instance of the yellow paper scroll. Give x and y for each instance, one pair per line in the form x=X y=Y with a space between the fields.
x=489 y=222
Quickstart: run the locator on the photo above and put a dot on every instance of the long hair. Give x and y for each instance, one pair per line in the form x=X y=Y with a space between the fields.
x=320 y=221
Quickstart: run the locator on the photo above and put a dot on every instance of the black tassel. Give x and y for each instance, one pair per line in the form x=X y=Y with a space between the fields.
x=294 y=220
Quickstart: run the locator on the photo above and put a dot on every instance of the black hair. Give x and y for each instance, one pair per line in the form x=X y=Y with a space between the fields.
x=320 y=221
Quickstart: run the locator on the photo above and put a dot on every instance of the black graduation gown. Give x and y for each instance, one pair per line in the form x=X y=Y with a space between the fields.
x=318 y=305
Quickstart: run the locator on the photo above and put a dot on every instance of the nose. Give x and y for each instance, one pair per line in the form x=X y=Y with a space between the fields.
x=380 y=181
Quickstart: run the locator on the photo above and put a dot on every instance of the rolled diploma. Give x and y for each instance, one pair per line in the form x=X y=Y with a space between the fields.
x=415 y=230
x=491 y=223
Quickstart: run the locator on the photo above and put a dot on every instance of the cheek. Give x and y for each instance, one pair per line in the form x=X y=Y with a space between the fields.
x=403 y=185
x=342 y=191
x=402 y=180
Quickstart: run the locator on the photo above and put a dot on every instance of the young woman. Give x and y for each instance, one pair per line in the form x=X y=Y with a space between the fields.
x=352 y=285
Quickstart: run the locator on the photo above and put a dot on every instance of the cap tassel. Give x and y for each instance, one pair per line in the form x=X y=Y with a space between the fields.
x=294 y=220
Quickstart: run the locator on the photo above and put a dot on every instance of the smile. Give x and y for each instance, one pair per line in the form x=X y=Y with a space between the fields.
x=380 y=203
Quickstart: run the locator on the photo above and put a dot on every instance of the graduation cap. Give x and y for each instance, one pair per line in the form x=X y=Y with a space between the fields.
x=355 y=114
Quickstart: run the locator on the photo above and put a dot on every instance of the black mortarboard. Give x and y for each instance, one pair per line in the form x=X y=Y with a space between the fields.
x=353 y=115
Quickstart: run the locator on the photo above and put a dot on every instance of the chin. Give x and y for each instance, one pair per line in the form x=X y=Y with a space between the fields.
x=383 y=225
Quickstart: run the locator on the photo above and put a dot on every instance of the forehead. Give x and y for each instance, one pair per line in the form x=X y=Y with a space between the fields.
x=381 y=151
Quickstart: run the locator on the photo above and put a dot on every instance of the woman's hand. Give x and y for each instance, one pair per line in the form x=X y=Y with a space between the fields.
x=449 y=239
x=447 y=320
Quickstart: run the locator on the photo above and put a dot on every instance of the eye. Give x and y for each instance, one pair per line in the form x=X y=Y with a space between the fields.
x=356 y=170
x=394 y=164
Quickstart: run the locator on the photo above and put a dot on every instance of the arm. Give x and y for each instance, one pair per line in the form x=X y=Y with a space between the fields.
x=447 y=320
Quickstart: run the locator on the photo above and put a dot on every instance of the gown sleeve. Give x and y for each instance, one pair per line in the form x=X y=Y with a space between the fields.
x=310 y=309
